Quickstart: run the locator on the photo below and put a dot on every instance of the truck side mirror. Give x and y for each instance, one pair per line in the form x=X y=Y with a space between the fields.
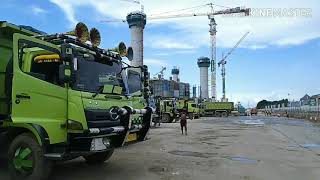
x=64 y=74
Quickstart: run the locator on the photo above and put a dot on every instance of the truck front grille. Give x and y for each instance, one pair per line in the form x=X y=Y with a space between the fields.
x=98 y=118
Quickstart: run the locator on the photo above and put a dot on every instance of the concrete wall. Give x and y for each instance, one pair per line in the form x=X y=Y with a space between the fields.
x=303 y=112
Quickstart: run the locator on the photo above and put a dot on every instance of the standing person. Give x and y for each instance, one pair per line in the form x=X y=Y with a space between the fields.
x=183 y=122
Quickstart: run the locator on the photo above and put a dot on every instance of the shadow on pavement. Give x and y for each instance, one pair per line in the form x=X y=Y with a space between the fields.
x=4 y=169
x=79 y=170
x=72 y=170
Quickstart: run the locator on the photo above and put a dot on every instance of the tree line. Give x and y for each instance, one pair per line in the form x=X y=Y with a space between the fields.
x=264 y=103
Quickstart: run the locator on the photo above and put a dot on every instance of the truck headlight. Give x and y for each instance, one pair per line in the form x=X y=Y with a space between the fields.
x=106 y=142
x=74 y=125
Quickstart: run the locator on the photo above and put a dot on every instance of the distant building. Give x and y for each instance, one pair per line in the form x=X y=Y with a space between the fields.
x=315 y=100
x=170 y=89
x=305 y=100
x=294 y=104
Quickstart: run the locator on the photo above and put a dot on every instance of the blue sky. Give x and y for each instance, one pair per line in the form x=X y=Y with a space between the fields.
x=280 y=55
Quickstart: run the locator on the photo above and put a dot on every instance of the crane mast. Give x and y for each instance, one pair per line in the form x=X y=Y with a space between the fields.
x=213 y=32
x=223 y=62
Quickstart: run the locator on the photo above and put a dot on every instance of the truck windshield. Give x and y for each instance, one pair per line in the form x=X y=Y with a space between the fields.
x=91 y=75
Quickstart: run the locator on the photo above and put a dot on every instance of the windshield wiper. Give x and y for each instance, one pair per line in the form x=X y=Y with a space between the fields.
x=98 y=91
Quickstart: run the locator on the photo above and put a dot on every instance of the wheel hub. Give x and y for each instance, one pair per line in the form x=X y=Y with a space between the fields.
x=22 y=159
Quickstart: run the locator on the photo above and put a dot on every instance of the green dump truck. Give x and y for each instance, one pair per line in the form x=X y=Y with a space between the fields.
x=191 y=107
x=61 y=98
x=218 y=109
x=167 y=110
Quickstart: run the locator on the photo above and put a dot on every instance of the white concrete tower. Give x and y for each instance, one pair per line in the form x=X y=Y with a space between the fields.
x=137 y=22
x=204 y=64
x=175 y=74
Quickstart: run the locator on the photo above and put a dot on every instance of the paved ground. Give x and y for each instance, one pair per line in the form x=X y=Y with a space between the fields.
x=231 y=148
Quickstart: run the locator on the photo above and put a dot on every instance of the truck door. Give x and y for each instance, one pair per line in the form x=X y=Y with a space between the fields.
x=37 y=96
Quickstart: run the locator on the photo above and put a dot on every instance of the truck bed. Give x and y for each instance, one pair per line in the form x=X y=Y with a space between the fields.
x=218 y=106
x=6 y=37
x=5 y=55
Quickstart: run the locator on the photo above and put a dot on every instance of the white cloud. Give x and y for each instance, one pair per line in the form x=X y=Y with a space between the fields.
x=191 y=51
x=37 y=10
x=161 y=54
x=162 y=42
x=157 y=62
x=67 y=7
x=170 y=53
x=257 y=46
x=193 y=32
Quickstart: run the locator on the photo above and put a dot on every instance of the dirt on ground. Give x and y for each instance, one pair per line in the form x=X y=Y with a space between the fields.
x=248 y=148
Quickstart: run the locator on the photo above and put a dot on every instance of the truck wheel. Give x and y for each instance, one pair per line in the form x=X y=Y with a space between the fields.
x=26 y=159
x=191 y=116
x=224 y=114
x=98 y=158
x=218 y=114
x=166 y=118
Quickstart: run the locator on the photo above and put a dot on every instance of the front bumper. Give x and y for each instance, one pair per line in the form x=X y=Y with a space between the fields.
x=99 y=139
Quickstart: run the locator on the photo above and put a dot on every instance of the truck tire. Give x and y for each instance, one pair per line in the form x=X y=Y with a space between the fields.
x=166 y=118
x=218 y=114
x=26 y=159
x=224 y=114
x=98 y=158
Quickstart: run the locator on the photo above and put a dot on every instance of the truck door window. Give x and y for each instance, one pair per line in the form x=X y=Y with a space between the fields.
x=134 y=81
x=37 y=61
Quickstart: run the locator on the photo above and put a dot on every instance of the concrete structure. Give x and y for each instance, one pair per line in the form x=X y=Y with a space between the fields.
x=194 y=92
x=204 y=64
x=137 y=22
x=175 y=74
x=169 y=89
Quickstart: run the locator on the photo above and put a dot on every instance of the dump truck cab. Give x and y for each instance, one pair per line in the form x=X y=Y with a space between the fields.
x=61 y=98
x=190 y=107
x=168 y=110
x=193 y=108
